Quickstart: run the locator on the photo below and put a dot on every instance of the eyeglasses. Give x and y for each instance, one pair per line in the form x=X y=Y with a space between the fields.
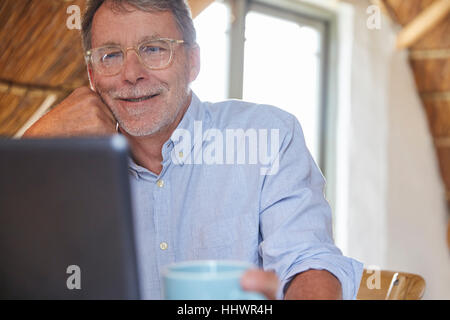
x=154 y=54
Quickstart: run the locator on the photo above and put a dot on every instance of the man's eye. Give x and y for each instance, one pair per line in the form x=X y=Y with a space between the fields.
x=111 y=56
x=153 y=49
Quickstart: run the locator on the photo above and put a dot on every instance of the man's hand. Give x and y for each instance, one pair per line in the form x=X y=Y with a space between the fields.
x=82 y=113
x=261 y=281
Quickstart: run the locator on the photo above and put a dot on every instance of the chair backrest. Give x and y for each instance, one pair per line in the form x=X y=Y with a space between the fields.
x=390 y=285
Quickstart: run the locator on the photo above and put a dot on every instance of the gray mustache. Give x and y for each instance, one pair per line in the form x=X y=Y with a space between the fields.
x=135 y=92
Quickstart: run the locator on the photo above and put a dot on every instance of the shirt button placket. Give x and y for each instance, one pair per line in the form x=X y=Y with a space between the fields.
x=163 y=245
x=163 y=233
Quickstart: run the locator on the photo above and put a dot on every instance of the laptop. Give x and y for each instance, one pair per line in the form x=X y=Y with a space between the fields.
x=66 y=227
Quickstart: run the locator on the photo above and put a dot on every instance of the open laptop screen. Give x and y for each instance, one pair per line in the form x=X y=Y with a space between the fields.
x=66 y=229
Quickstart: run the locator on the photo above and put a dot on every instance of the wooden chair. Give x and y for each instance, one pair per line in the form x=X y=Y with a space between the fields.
x=390 y=285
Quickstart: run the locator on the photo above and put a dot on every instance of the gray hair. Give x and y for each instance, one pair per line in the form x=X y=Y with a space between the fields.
x=179 y=8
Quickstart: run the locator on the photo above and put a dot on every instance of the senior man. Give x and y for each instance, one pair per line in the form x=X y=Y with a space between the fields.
x=142 y=56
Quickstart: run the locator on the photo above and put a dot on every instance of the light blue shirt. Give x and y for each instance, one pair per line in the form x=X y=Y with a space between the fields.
x=203 y=207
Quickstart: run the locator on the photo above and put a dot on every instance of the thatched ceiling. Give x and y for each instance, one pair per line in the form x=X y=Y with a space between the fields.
x=430 y=61
x=40 y=57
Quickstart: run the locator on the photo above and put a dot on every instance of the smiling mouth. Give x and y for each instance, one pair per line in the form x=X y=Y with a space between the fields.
x=139 y=99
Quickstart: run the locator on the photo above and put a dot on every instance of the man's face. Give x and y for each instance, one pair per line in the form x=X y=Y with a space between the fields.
x=163 y=93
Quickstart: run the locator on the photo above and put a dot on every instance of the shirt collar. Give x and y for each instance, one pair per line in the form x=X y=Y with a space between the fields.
x=194 y=122
x=194 y=113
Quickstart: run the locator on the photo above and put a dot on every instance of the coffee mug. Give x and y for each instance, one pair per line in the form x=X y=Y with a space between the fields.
x=207 y=280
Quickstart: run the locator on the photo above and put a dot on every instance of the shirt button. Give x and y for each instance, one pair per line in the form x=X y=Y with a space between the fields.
x=163 y=245
x=180 y=154
x=160 y=183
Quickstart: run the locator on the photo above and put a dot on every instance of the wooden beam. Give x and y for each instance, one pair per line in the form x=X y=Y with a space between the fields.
x=382 y=6
x=443 y=142
x=385 y=9
x=429 y=54
x=436 y=96
x=22 y=89
x=197 y=6
x=43 y=108
x=424 y=22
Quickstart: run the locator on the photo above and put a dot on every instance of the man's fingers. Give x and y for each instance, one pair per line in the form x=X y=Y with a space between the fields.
x=93 y=98
x=107 y=110
x=261 y=281
x=102 y=105
x=83 y=112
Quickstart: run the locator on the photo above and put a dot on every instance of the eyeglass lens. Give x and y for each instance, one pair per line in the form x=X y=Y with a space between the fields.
x=154 y=54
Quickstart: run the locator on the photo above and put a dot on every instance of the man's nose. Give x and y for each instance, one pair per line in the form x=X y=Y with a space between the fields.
x=133 y=70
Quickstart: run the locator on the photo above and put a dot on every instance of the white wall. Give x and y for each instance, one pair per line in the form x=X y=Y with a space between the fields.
x=390 y=206
x=416 y=197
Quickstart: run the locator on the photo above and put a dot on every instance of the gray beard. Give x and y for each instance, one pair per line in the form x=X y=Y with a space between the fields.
x=180 y=98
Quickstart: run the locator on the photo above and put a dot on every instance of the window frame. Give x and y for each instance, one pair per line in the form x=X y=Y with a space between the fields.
x=308 y=14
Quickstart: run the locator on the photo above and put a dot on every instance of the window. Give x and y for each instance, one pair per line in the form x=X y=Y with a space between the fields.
x=283 y=61
x=282 y=68
x=212 y=36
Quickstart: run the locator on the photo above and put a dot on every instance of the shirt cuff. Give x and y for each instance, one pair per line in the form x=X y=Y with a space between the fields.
x=349 y=276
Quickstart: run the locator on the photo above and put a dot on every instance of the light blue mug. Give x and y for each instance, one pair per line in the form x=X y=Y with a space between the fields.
x=207 y=280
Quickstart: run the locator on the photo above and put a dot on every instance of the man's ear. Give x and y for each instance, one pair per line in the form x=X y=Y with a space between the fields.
x=90 y=76
x=194 y=62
